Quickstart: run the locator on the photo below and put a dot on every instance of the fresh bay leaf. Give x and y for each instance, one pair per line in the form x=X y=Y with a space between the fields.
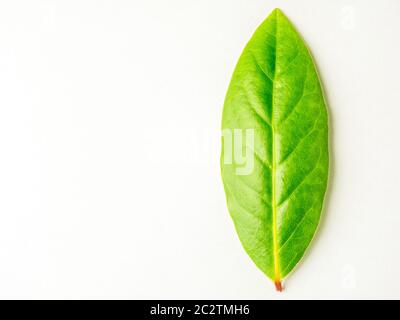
x=275 y=160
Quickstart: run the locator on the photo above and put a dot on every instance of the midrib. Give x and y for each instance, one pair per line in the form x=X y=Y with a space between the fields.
x=273 y=172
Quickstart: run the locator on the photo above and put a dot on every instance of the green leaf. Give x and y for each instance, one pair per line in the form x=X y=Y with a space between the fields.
x=275 y=160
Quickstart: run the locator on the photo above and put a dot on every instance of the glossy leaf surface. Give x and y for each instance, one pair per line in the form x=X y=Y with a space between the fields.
x=274 y=159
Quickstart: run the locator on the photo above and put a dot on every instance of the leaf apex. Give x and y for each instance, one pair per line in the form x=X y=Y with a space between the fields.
x=279 y=14
x=277 y=11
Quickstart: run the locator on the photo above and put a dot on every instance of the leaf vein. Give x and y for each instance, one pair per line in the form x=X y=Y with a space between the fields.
x=264 y=120
x=236 y=199
x=302 y=180
x=296 y=227
x=289 y=64
x=290 y=262
x=260 y=159
x=259 y=67
x=301 y=140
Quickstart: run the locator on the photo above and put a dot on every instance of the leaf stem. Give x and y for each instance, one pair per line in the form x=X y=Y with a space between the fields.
x=278 y=286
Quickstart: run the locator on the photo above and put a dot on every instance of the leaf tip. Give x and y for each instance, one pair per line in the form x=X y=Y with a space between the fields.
x=278 y=286
x=277 y=11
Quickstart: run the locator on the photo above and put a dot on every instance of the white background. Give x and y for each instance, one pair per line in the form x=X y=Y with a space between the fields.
x=109 y=149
